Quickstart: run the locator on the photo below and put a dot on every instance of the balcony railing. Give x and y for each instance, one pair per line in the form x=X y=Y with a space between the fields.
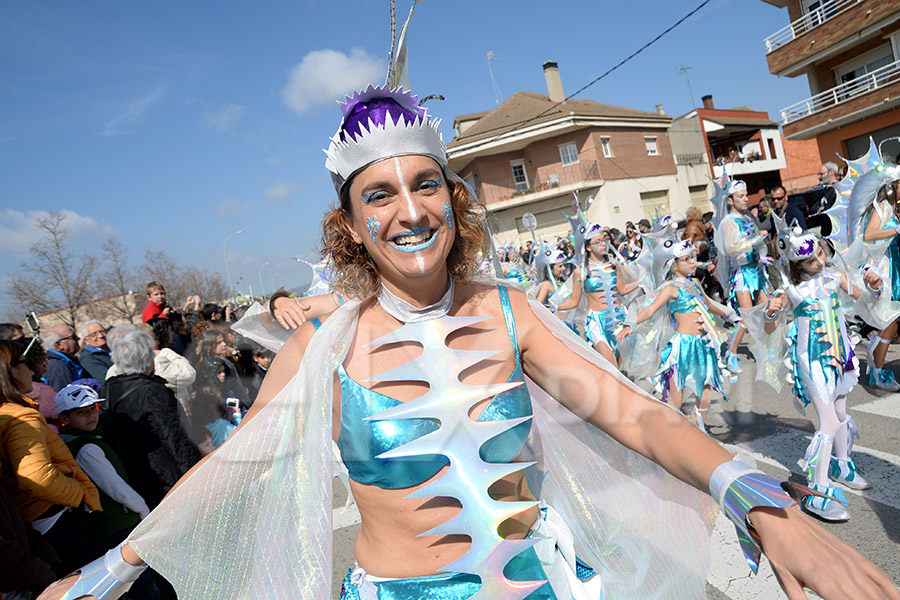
x=689 y=159
x=495 y=191
x=814 y=18
x=846 y=91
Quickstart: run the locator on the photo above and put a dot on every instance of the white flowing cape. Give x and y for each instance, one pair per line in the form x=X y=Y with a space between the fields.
x=254 y=521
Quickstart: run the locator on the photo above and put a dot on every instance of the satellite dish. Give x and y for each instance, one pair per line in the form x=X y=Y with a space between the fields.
x=529 y=221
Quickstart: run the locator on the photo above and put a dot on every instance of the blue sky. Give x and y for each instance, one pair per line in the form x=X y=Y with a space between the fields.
x=174 y=124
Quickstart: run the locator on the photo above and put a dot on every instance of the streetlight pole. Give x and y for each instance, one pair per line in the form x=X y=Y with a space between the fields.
x=262 y=289
x=227 y=269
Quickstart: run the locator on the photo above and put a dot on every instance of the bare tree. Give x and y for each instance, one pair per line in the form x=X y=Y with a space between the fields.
x=118 y=284
x=52 y=279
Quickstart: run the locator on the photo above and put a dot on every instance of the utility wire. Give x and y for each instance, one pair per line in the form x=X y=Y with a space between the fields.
x=609 y=71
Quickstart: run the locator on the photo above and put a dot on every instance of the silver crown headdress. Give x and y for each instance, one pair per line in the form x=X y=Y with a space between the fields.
x=592 y=230
x=667 y=253
x=403 y=130
x=735 y=186
x=796 y=243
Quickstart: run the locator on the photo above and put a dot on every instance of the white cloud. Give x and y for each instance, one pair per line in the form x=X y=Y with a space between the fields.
x=18 y=233
x=223 y=119
x=229 y=207
x=282 y=190
x=133 y=115
x=326 y=75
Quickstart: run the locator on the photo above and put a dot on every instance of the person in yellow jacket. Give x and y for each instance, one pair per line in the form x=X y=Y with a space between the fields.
x=37 y=469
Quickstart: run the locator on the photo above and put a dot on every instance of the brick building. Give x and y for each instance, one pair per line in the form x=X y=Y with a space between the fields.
x=849 y=51
x=529 y=153
x=748 y=144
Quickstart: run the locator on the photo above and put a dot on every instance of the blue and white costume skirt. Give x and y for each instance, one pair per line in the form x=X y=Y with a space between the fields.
x=690 y=362
x=601 y=326
x=818 y=375
x=552 y=559
x=748 y=278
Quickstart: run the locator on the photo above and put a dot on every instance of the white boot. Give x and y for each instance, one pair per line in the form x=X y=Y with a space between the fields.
x=698 y=414
x=832 y=508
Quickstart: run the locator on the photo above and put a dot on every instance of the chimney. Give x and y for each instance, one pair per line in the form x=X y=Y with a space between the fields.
x=554 y=82
x=660 y=110
x=707 y=101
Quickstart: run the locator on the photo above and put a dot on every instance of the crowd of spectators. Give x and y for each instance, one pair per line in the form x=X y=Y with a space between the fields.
x=97 y=424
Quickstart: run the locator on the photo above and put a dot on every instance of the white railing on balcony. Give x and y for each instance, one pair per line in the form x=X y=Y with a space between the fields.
x=812 y=19
x=846 y=91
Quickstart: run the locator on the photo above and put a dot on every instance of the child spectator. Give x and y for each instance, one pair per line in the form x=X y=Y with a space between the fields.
x=123 y=508
x=257 y=370
x=156 y=302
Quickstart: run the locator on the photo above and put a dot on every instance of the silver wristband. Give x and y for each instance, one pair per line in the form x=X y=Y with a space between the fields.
x=738 y=488
x=106 y=578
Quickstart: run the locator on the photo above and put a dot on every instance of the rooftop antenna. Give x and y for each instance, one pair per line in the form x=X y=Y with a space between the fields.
x=683 y=70
x=497 y=93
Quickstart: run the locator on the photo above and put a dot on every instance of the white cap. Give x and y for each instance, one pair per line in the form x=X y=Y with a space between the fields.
x=75 y=396
x=736 y=185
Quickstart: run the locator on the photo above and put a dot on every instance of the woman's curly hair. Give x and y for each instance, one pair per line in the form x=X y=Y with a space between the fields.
x=354 y=273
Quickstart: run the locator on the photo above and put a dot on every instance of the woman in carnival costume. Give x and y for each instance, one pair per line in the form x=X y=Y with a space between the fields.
x=740 y=244
x=438 y=447
x=513 y=267
x=873 y=210
x=690 y=358
x=823 y=366
x=602 y=281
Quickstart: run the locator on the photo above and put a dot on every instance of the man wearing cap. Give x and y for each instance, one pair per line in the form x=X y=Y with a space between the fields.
x=742 y=243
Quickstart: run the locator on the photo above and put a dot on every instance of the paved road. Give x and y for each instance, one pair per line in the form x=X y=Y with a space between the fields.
x=767 y=425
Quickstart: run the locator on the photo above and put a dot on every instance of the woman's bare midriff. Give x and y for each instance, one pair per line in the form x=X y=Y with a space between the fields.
x=388 y=542
x=686 y=323
x=597 y=301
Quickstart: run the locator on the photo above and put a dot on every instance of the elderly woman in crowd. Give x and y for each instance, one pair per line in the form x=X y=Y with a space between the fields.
x=37 y=469
x=157 y=450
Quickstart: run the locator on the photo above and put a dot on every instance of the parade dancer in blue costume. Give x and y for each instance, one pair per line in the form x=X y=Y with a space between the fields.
x=877 y=196
x=690 y=358
x=823 y=367
x=741 y=245
x=603 y=283
x=420 y=378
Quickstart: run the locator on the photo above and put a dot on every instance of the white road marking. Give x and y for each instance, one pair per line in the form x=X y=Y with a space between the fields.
x=785 y=450
x=888 y=406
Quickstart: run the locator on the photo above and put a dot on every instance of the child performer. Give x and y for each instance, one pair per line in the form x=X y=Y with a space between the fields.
x=823 y=364
x=691 y=357
x=602 y=281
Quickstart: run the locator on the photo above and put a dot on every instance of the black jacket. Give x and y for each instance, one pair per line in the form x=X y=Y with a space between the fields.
x=155 y=446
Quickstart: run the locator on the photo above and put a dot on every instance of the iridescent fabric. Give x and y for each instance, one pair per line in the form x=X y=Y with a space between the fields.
x=691 y=363
x=363 y=439
x=254 y=521
x=748 y=278
x=600 y=327
x=822 y=360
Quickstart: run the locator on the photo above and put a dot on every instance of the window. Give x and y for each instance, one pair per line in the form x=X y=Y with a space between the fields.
x=568 y=153
x=520 y=177
x=650 y=143
x=863 y=65
x=607 y=149
x=819 y=11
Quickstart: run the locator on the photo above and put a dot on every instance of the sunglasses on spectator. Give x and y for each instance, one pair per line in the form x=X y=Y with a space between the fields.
x=72 y=337
x=18 y=361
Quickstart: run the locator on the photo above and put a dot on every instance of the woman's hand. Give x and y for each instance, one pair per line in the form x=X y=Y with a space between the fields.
x=624 y=333
x=871 y=279
x=57 y=589
x=775 y=305
x=804 y=555
x=289 y=312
